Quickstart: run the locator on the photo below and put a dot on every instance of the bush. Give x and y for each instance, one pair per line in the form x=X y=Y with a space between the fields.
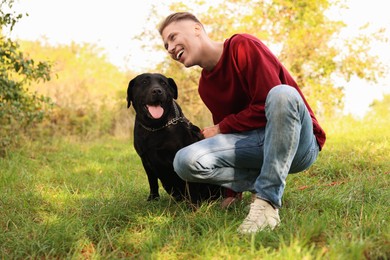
x=19 y=108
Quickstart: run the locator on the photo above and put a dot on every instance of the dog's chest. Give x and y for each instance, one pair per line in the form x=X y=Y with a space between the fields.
x=164 y=142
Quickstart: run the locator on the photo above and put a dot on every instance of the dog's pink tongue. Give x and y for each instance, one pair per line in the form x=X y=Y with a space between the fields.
x=156 y=111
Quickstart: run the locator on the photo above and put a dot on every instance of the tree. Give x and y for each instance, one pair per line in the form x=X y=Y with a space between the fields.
x=303 y=37
x=19 y=108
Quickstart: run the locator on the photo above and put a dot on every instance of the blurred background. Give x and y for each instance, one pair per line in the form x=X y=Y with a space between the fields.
x=65 y=65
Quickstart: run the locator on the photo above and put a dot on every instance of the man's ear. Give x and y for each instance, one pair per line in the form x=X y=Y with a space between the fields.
x=130 y=93
x=198 y=29
x=173 y=86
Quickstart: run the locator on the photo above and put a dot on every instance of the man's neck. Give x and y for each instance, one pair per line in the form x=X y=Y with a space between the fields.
x=213 y=54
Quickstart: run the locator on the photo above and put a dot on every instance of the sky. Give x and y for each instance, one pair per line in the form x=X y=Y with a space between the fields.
x=112 y=25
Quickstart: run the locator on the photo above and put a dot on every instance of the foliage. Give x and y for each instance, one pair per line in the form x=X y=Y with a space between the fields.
x=380 y=110
x=301 y=33
x=85 y=97
x=87 y=200
x=88 y=92
x=19 y=108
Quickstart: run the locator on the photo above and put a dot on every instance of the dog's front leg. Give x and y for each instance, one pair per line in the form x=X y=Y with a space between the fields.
x=153 y=182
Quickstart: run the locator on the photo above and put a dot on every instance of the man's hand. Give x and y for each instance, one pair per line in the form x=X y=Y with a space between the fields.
x=210 y=131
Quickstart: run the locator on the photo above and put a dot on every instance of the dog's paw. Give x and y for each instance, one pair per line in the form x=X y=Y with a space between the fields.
x=153 y=197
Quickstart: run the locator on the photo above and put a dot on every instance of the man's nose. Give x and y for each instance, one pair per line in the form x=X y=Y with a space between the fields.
x=171 y=49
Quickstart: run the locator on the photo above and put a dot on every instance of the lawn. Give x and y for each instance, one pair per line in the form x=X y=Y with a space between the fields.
x=66 y=198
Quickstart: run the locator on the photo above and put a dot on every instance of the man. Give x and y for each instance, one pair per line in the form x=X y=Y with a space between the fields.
x=264 y=128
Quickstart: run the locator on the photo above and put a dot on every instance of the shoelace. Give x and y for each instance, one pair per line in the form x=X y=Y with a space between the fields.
x=255 y=210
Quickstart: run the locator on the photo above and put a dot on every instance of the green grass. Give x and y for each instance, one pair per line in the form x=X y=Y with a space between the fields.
x=87 y=200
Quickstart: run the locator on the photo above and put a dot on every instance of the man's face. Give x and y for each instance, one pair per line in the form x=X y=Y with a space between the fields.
x=179 y=38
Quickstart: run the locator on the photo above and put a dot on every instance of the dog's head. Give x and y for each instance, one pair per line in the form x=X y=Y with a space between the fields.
x=151 y=95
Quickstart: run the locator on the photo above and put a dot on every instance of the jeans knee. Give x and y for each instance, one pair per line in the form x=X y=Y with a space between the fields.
x=180 y=165
x=282 y=100
x=282 y=94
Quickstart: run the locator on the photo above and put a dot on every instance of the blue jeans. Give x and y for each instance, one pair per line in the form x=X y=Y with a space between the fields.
x=258 y=160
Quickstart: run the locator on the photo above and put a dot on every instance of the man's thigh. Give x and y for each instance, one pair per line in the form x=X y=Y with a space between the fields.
x=238 y=150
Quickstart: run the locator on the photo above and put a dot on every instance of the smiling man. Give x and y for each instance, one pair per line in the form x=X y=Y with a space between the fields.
x=263 y=127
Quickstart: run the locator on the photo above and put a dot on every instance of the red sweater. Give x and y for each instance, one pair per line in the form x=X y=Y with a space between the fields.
x=236 y=89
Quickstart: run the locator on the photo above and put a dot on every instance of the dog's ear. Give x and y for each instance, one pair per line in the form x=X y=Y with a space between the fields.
x=130 y=93
x=172 y=84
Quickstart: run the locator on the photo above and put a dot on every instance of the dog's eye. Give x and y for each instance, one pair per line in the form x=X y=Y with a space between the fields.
x=144 y=82
x=163 y=83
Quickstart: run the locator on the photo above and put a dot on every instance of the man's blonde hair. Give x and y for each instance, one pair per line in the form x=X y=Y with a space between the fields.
x=179 y=16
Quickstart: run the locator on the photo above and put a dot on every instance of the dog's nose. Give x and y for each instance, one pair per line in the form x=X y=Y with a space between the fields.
x=157 y=91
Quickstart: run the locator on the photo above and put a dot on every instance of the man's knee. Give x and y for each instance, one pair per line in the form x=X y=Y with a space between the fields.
x=283 y=101
x=181 y=165
x=282 y=94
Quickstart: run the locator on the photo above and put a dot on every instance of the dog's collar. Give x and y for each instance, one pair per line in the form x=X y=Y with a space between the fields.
x=174 y=121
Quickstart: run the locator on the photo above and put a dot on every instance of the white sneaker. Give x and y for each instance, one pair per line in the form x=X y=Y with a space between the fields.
x=261 y=215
